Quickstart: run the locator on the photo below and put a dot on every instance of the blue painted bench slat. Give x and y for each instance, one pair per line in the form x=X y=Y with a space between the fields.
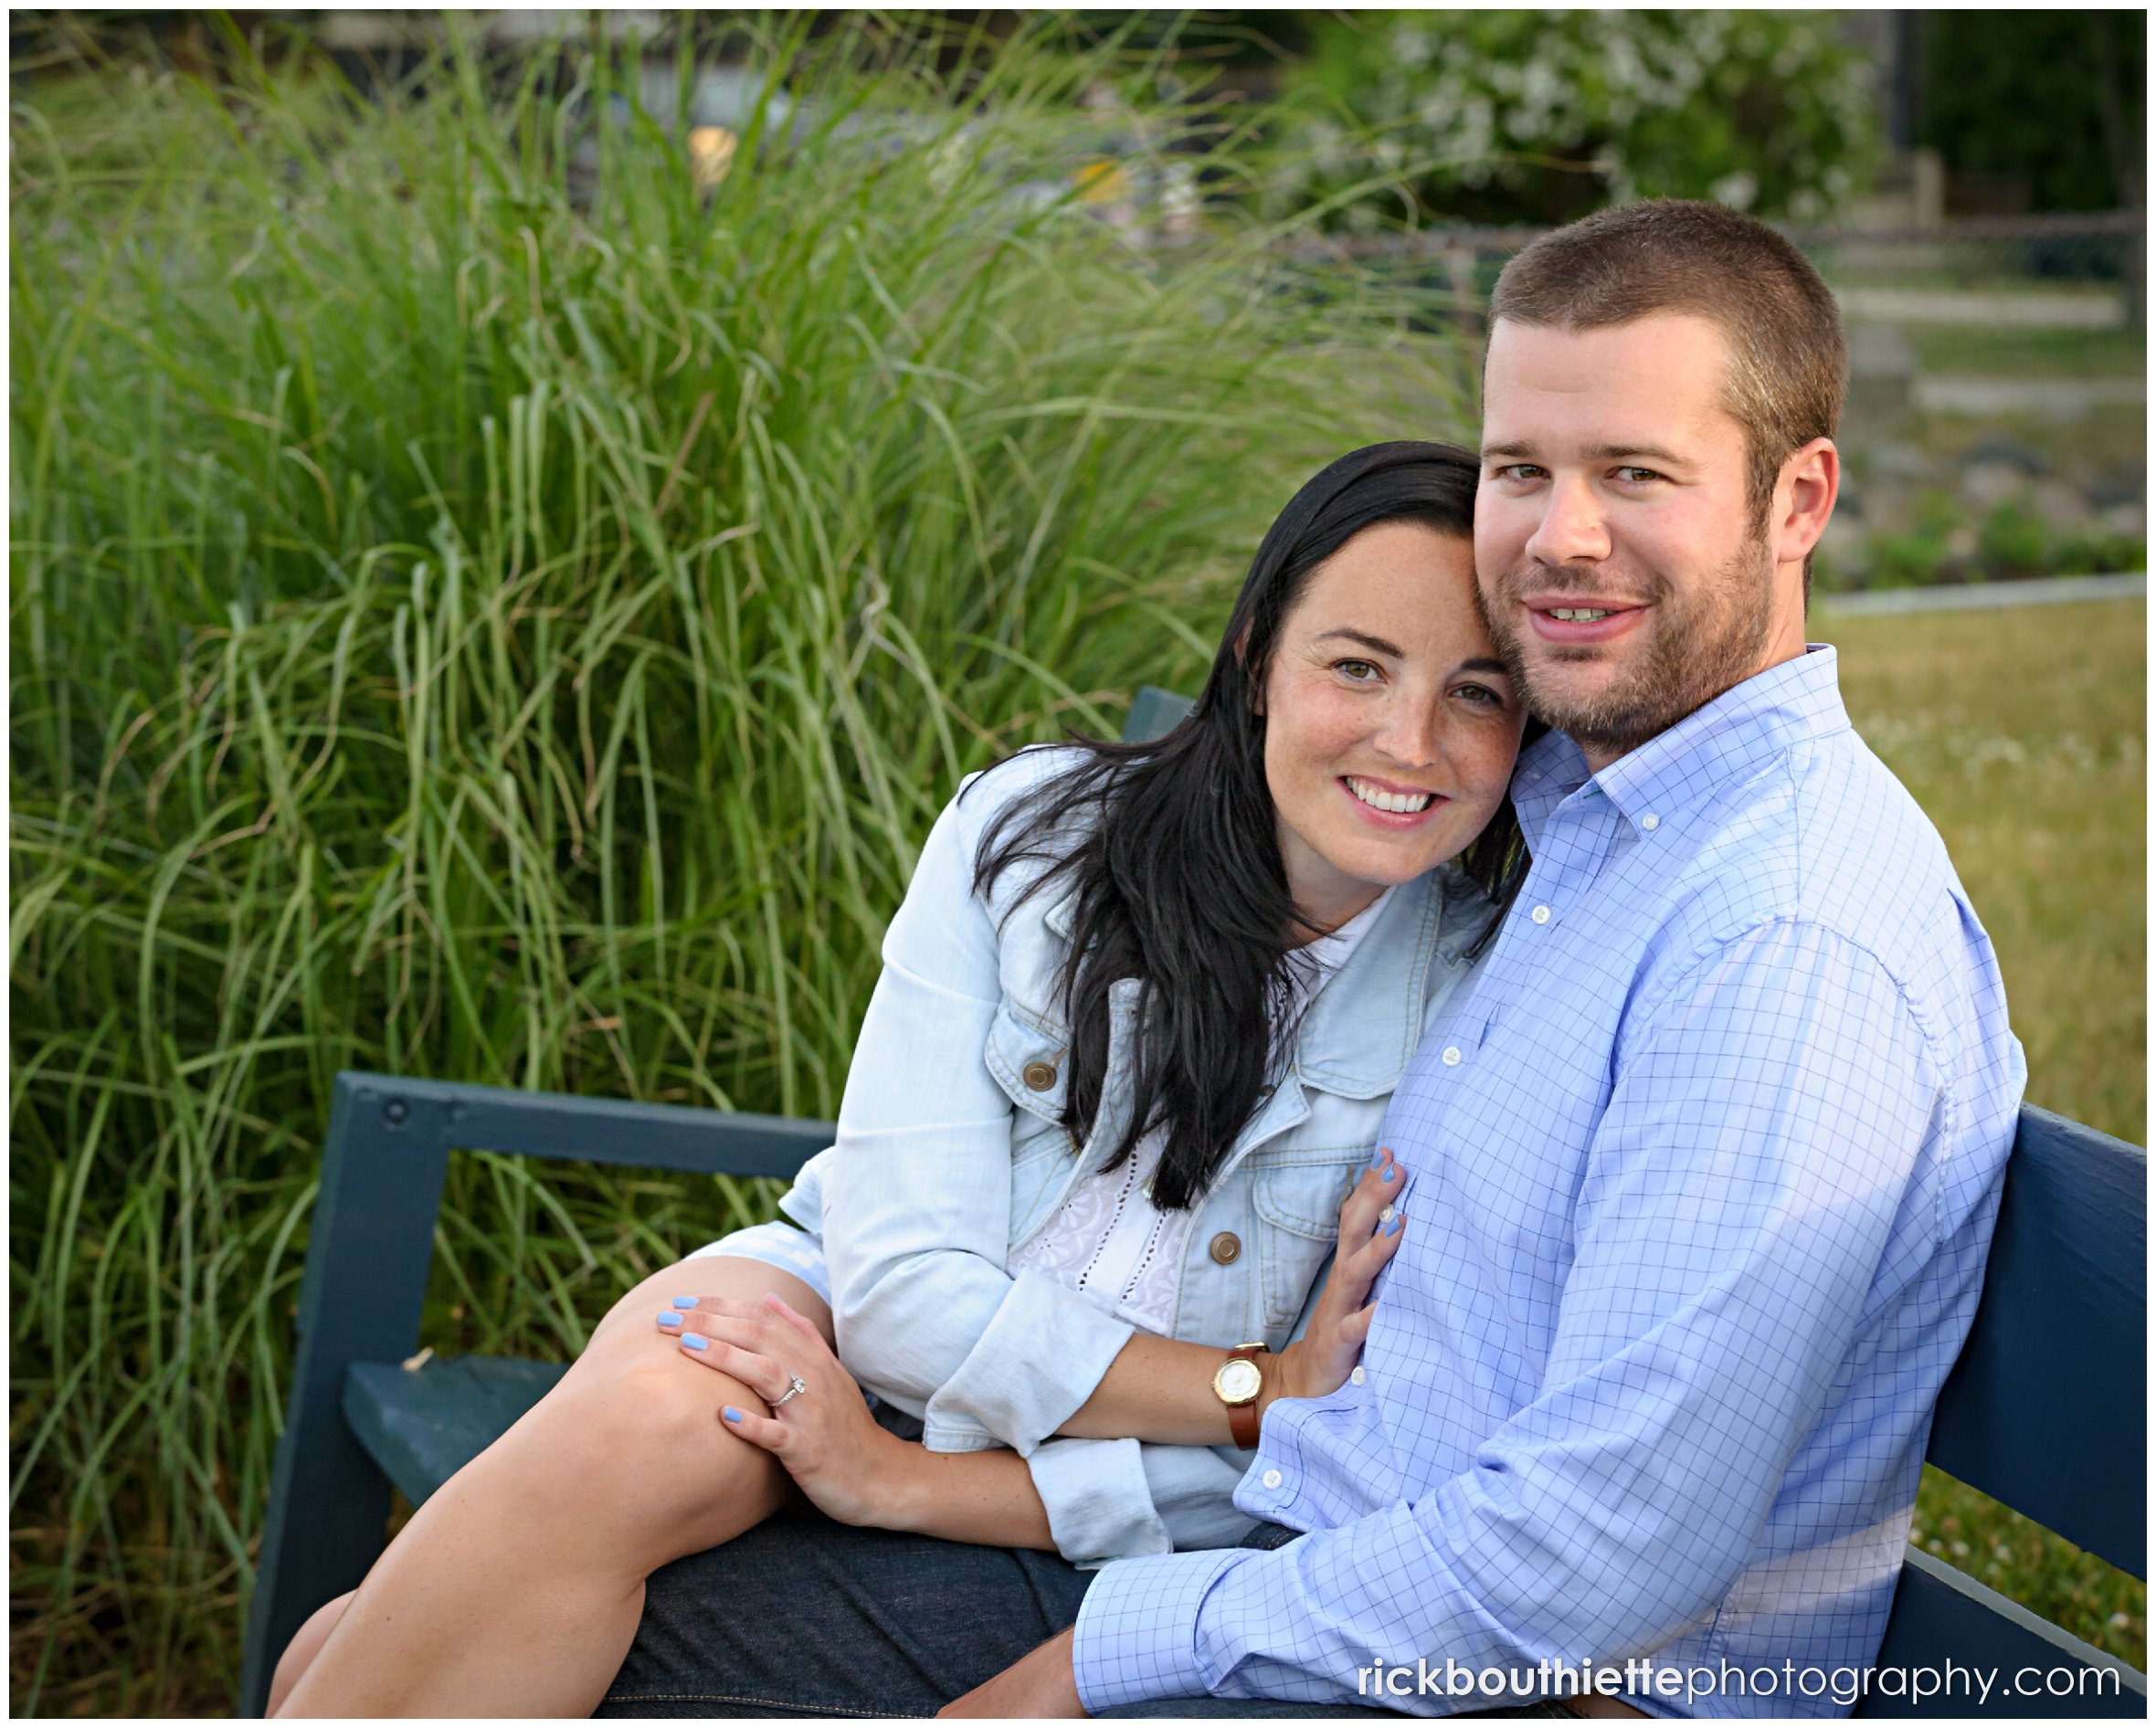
x=2045 y=1411
x=424 y=1421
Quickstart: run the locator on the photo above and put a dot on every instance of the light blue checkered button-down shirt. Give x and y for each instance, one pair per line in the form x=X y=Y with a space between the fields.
x=1702 y=1170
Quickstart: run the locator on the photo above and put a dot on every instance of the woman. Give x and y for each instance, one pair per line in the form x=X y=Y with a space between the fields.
x=1140 y=1015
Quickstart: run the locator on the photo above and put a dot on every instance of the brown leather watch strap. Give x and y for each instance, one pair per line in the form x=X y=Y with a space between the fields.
x=1243 y=1419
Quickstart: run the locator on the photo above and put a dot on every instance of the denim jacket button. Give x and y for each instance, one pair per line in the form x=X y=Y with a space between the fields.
x=1040 y=1076
x=1227 y=1247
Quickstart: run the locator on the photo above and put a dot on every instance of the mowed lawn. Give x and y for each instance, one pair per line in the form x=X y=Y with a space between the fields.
x=2022 y=732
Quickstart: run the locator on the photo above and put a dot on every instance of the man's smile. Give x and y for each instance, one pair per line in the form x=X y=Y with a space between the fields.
x=1571 y=619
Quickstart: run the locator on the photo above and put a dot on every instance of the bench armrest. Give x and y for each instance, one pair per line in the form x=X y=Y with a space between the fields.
x=369 y=1244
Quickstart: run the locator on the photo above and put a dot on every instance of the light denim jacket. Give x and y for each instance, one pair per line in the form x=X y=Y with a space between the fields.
x=947 y=1157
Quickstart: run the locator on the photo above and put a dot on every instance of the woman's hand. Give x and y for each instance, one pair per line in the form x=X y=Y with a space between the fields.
x=824 y=1435
x=1318 y=1362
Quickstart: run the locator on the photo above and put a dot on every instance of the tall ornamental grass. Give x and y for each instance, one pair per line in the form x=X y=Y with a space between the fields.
x=488 y=602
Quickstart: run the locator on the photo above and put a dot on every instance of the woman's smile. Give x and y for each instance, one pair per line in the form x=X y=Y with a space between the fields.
x=1389 y=804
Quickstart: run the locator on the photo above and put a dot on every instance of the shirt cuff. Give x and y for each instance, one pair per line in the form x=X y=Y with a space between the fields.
x=1035 y=1362
x=1136 y=1637
x=1098 y=1500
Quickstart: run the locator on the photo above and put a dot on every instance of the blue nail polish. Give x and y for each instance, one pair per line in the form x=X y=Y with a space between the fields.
x=1388 y=1173
x=1392 y=1229
x=730 y=1412
x=669 y=1319
x=1380 y=1157
x=694 y=1341
x=684 y=1301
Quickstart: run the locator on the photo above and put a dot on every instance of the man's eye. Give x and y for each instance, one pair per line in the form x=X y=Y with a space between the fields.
x=1520 y=471
x=1636 y=475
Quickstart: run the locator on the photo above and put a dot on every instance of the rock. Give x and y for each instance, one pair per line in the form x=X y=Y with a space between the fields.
x=2008 y=452
x=2130 y=520
x=1843 y=545
x=1882 y=375
x=2062 y=505
x=1891 y=459
x=1986 y=485
x=2119 y=485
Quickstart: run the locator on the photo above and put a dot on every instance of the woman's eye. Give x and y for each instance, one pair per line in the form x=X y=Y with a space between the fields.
x=1481 y=695
x=1357 y=672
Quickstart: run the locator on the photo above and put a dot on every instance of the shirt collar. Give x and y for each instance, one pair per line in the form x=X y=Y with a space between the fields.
x=1745 y=727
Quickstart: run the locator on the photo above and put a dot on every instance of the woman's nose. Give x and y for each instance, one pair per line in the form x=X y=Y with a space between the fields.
x=1571 y=530
x=1409 y=735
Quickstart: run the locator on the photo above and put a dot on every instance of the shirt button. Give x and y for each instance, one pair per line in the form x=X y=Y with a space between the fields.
x=1271 y=1478
x=1227 y=1247
x=1650 y=822
x=1540 y=914
x=1040 y=1076
x=1357 y=1374
x=1452 y=1057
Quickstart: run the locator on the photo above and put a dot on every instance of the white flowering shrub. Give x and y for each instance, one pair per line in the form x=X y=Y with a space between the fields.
x=1541 y=116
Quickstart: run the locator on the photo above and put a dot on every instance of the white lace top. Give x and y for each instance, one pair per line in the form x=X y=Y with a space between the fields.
x=1107 y=1241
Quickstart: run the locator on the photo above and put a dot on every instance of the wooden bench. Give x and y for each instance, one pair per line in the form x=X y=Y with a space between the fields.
x=2045 y=1411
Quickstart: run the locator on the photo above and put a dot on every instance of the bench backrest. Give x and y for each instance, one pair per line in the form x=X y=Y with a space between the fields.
x=2047 y=1410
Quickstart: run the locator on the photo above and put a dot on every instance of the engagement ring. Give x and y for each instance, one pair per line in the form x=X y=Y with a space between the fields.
x=794 y=1390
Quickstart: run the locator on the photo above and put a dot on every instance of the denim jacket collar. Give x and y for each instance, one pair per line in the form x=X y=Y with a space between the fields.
x=1356 y=1039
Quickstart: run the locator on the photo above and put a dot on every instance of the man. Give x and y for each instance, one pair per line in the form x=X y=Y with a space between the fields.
x=1703 y=1168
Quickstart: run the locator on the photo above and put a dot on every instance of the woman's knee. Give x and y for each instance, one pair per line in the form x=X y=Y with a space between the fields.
x=630 y=1442
x=306 y=1645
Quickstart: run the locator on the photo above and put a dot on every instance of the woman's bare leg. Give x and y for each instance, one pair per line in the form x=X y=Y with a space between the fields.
x=515 y=1590
x=305 y=1647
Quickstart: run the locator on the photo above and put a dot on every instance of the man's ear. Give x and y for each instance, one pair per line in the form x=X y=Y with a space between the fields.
x=1804 y=497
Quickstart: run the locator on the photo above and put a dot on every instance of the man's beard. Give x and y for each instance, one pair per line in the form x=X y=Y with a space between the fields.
x=1699 y=648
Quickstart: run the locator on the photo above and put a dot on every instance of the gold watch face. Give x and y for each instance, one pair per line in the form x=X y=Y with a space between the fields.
x=1238 y=1382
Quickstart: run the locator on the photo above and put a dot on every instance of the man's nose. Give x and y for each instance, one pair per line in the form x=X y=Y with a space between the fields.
x=1571 y=530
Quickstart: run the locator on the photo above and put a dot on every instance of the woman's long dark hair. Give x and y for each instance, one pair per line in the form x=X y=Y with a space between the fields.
x=1175 y=877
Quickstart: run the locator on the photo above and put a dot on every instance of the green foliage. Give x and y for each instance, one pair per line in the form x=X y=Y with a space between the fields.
x=2097 y=552
x=1912 y=559
x=2016 y=540
x=485 y=606
x=2050 y=106
x=1508 y=115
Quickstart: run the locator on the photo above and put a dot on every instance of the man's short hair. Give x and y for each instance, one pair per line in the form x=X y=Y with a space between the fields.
x=1789 y=365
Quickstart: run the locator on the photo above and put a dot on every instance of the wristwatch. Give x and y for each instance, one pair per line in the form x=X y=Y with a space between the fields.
x=1237 y=1383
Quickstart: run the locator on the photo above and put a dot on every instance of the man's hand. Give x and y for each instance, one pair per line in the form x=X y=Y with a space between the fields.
x=1042 y=1684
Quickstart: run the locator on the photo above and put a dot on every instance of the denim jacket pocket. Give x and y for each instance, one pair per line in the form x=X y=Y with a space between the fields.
x=1028 y=1061
x=1300 y=1199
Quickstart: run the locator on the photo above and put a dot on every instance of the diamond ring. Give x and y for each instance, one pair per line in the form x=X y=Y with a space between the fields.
x=795 y=1389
